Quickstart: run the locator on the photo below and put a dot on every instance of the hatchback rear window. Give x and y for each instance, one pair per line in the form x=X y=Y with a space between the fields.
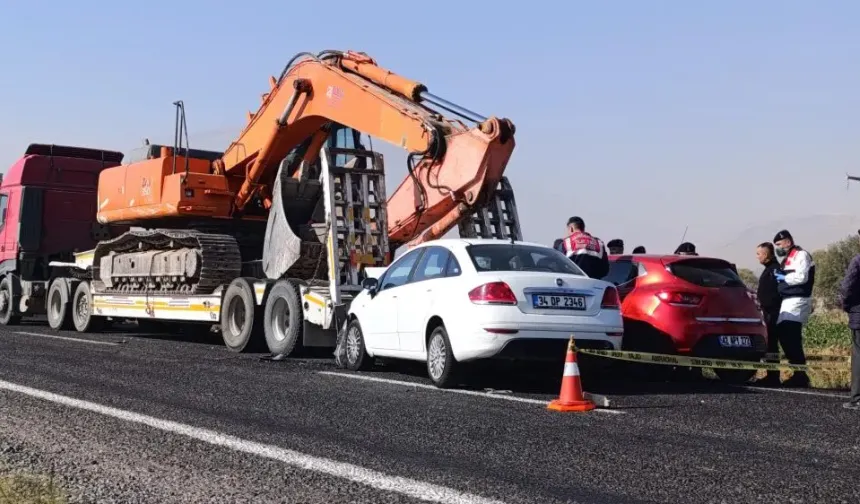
x=515 y=257
x=706 y=272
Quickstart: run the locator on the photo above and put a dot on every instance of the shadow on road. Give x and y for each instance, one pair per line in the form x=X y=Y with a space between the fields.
x=545 y=379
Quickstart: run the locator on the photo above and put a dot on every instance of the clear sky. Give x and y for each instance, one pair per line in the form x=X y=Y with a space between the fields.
x=642 y=117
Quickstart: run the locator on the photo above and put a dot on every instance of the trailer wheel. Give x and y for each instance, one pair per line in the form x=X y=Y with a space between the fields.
x=283 y=318
x=8 y=317
x=241 y=320
x=82 y=310
x=59 y=314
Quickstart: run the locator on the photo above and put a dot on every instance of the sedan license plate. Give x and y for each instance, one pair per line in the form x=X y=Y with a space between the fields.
x=559 y=301
x=735 y=341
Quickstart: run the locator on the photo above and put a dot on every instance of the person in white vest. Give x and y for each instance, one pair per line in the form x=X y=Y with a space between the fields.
x=795 y=280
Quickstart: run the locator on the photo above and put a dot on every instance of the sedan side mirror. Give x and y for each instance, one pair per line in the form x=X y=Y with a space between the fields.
x=370 y=284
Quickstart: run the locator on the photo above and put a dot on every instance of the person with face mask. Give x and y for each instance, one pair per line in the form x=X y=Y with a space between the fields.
x=795 y=280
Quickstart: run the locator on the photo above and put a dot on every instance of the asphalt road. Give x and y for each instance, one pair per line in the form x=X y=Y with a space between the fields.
x=131 y=418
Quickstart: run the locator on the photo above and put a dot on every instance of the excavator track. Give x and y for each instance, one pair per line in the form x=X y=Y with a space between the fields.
x=165 y=261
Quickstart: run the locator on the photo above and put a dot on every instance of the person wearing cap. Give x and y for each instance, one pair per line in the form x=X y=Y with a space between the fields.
x=795 y=280
x=770 y=302
x=615 y=246
x=587 y=251
x=850 y=294
x=686 y=248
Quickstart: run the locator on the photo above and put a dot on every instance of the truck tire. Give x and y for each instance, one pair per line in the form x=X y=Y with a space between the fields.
x=283 y=319
x=8 y=313
x=59 y=312
x=82 y=310
x=241 y=320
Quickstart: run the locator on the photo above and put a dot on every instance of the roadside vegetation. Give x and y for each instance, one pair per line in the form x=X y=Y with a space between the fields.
x=17 y=488
x=827 y=334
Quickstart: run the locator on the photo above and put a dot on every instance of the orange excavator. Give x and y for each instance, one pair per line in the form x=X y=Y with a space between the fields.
x=201 y=216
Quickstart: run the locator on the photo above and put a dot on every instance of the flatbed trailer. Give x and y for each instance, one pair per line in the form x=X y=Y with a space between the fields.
x=290 y=311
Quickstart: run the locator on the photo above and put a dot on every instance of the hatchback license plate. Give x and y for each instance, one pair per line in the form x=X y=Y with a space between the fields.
x=559 y=301
x=735 y=341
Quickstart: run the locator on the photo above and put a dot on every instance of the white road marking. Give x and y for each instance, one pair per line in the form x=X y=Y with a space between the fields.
x=790 y=391
x=380 y=481
x=453 y=391
x=66 y=338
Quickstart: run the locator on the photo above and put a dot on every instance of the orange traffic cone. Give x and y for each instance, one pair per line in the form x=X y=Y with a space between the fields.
x=571 y=397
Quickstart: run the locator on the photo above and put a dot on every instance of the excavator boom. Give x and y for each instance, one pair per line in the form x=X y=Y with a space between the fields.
x=452 y=167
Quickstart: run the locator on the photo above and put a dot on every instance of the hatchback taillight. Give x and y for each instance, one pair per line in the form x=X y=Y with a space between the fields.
x=676 y=298
x=493 y=293
x=610 y=299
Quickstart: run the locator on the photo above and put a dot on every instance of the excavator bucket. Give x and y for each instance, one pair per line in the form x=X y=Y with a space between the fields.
x=292 y=247
x=281 y=247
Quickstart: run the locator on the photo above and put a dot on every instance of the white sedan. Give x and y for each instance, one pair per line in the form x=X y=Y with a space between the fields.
x=451 y=301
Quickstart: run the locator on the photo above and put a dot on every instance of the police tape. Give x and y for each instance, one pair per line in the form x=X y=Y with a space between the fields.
x=700 y=362
x=824 y=358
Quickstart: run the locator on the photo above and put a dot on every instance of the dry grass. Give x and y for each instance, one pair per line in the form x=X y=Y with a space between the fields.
x=28 y=489
x=825 y=375
x=827 y=334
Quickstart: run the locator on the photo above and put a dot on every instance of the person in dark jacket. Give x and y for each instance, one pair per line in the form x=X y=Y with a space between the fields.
x=615 y=246
x=770 y=302
x=588 y=252
x=850 y=294
x=686 y=248
x=559 y=245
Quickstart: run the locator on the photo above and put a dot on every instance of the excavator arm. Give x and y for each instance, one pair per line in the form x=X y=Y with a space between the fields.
x=451 y=166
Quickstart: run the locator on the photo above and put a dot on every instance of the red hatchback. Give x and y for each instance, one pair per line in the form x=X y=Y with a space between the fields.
x=688 y=305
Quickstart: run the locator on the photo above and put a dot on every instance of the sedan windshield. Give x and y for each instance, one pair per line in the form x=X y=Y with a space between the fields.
x=516 y=257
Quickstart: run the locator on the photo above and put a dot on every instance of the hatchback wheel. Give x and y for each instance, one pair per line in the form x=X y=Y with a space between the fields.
x=441 y=365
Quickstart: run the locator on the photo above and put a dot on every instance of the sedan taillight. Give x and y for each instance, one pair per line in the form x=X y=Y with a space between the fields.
x=610 y=299
x=493 y=293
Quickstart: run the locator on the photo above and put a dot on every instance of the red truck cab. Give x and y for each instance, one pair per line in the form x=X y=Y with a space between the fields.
x=47 y=213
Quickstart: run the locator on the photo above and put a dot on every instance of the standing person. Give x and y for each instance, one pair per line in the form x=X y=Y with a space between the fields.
x=587 y=251
x=850 y=294
x=639 y=250
x=615 y=246
x=686 y=248
x=770 y=302
x=559 y=245
x=795 y=281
